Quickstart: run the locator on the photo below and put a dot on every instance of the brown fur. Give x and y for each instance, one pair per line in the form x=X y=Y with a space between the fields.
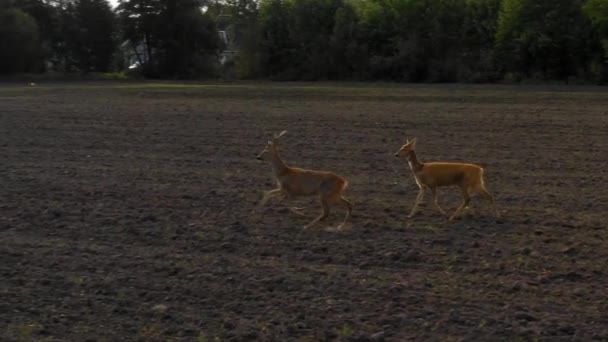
x=468 y=177
x=294 y=182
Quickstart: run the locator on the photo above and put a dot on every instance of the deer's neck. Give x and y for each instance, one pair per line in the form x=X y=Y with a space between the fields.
x=278 y=165
x=412 y=160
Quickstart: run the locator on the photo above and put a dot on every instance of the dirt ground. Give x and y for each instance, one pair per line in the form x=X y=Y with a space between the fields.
x=125 y=214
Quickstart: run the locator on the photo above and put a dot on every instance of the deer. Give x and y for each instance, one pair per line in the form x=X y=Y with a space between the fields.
x=296 y=182
x=468 y=177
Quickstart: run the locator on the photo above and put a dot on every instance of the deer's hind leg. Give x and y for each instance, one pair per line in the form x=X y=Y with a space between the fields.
x=326 y=209
x=349 y=208
x=485 y=194
x=466 y=198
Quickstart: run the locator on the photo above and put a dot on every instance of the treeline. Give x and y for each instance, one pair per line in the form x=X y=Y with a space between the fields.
x=396 y=40
x=432 y=40
x=37 y=36
x=162 y=38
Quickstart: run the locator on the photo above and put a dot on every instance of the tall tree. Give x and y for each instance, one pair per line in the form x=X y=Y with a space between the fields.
x=348 y=45
x=139 y=22
x=540 y=37
x=276 y=46
x=19 y=44
x=597 y=12
x=477 y=53
x=188 y=39
x=179 y=39
x=238 y=20
x=88 y=28
x=45 y=14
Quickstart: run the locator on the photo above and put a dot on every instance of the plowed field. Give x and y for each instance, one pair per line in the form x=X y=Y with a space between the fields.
x=125 y=214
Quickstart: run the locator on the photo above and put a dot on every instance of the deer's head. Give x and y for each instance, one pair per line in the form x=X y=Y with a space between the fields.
x=406 y=149
x=270 y=146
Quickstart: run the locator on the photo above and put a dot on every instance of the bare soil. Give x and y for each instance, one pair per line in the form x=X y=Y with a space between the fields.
x=125 y=214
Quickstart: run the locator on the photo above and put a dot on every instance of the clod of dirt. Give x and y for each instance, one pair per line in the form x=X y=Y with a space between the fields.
x=579 y=292
x=443 y=241
x=571 y=250
x=573 y=276
x=227 y=246
x=394 y=256
x=412 y=256
x=369 y=224
x=322 y=249
x=238 y=226
x=56 y=213
x=516 y=287
x=379 y=336
x=525 y=332
x=228 y=325
x=160 y=308
x=148 y=218
x=249 y=335
x=364 y=264
x=567 y=329
x=603 y=336
x=524 y=316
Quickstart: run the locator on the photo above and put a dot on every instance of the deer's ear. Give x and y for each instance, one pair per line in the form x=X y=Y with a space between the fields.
x=413 y=142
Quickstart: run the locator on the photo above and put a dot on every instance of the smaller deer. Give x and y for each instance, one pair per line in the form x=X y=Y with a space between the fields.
x=468 y=177
x=295 y=182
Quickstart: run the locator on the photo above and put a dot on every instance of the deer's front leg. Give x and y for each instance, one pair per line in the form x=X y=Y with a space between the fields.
x=436 y=202
x=418 y=200
x=268 y=195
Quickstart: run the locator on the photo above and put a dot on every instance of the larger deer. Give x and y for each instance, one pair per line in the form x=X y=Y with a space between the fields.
x=295 y=182
x=468 y=177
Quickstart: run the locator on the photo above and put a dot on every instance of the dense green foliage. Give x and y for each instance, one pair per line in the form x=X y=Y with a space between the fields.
x=19 y=44
x=397 y=40
x=88 y=27
x=178 y=39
